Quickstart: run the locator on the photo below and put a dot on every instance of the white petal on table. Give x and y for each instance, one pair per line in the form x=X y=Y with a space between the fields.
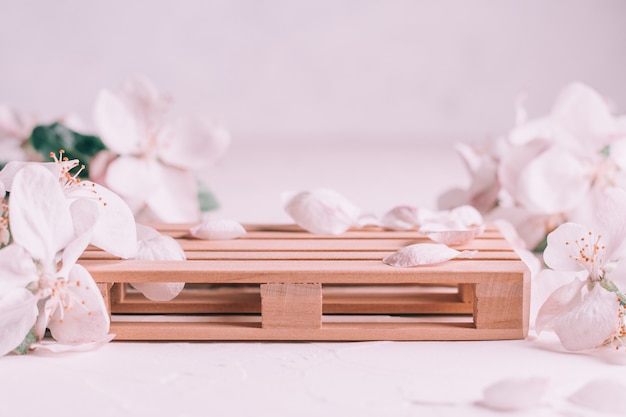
x=425 y=254
x=218 y=229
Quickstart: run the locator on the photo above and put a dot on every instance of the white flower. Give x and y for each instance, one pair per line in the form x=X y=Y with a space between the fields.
x=114 y=230
x=46 y=245
x=587 y=313
x=151 y=163
x=546 y=169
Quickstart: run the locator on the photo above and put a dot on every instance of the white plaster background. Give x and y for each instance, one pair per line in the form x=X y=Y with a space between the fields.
x=317 y=69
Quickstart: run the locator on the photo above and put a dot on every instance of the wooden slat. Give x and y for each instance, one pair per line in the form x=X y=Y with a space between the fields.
x=329 y=245
x=297 y=255
x=327 y=332
x=324 y=271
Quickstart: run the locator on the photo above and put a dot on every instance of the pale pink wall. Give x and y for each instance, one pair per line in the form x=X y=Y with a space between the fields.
x=317 y=68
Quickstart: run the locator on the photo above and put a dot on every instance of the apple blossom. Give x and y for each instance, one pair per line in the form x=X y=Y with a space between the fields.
x=150 y=162
x=587 y=313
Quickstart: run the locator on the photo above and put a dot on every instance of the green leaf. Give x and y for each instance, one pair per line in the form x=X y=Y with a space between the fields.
x=206 y=198
x=30 y=338
x=52 y=138
x=541 y=246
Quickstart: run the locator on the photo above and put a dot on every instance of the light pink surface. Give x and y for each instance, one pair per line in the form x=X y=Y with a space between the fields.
x=304 y=379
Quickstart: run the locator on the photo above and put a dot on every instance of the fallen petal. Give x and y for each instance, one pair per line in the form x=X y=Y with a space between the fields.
x=400 y=218
x=454 y=237
x=467 y=215
x=153 y=246
x=322 y=211
x=56 y=347
x=218 y=229
x=425 y=254
x=514 y=394
x=601 y=395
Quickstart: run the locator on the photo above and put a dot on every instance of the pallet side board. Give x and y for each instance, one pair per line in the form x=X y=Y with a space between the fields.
x=281 y=283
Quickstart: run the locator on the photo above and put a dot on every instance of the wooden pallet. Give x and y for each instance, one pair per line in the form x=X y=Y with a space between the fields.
x=282 y=283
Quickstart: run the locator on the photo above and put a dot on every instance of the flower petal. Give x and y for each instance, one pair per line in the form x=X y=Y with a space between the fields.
x=562 y=299
x=87 y=320
x=114 y=231
x=591 y=322
x=322 y=211
x=603 y=395
x=118 y=127
x=454 y=237
x=401 y=218
x=17 y=269
x=611 y=223
x=10 y=169
x=154 y=246
x=36 y=197
x=554 y=181
x=425 y=254
x=144 y=100
x=217 y=229
x=159 y=291
x=18 y=312
x=585 y=114
x=192 y=143
x=133 y=178
x=175 y=200
x=515 y=394
x=562 y=248
x=56 y=347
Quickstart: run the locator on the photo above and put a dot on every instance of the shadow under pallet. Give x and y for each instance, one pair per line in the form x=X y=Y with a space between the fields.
x=282 y=283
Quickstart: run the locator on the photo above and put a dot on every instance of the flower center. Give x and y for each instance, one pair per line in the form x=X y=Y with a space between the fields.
x=61 y=296
x=588 y=252
x=70 y=181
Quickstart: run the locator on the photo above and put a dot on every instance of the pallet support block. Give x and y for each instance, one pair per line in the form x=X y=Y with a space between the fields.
x=501 y=305
x=286 y=305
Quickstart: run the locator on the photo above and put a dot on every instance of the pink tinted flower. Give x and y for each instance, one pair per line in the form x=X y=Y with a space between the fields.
x=151 y=162
x=587 y=313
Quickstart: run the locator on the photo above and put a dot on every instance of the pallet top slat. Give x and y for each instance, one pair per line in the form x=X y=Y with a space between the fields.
x=329 y=244
x=323 y=271
x=298 y=255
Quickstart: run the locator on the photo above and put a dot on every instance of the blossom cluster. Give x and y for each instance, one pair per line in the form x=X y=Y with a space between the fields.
x=547 y=170
x=140 y=166
x=150 y=160
x=560 y=181
x=51 y=217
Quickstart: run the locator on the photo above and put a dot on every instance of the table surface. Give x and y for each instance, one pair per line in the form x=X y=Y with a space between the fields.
x=305 y=378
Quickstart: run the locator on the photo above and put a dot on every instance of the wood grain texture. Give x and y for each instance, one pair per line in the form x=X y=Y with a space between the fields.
x=291 y=306
x=289 y=282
